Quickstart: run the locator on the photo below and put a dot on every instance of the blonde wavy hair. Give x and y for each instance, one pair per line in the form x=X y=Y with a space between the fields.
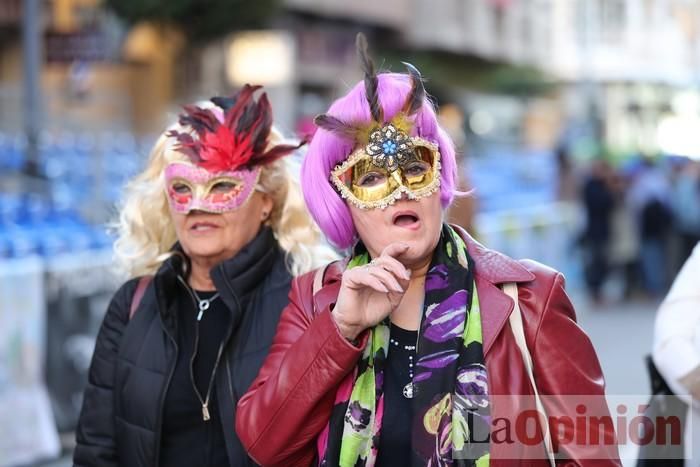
x=146 y=232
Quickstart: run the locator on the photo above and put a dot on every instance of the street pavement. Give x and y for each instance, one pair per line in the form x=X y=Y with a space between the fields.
x=622 y=335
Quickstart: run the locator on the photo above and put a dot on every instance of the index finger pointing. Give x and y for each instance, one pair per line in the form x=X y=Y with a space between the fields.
x=395 y=249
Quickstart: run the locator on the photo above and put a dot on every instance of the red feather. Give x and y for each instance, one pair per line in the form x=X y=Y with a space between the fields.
x=239 y=141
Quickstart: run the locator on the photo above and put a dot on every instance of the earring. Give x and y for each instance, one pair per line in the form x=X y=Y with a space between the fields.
x=264 y=215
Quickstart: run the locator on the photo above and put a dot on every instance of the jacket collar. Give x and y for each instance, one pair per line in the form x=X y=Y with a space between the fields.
x=249 y=267
x=492 y=266
x=491 y=270
x=234 y=278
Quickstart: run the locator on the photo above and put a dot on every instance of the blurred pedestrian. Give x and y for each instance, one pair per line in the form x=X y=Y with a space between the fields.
x=211 y=233
x=624 y=239
x=599 y=203
x=677 y=346
x=392 y=356
x=650 y=201
x=567 y=179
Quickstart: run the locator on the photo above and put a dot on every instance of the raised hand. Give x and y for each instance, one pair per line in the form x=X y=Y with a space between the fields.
x=369 y=293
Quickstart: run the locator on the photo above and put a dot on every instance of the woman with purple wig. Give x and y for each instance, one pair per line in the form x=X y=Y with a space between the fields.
x=400 y=354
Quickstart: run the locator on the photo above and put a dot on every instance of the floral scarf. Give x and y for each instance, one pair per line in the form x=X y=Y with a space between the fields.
x=451 y=406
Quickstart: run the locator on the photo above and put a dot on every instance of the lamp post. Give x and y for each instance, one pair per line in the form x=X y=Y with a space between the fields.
x=33 y=116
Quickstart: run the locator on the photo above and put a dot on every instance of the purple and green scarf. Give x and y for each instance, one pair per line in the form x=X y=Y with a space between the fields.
x=452 y=414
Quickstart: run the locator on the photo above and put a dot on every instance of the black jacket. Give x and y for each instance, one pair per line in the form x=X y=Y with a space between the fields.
x=121 y=418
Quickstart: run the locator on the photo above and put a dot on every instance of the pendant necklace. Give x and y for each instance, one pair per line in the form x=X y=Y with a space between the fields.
x=203 y=305
x=410 y=389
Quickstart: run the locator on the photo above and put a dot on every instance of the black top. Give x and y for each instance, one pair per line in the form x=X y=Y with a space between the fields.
x=187 y=439
x=395 y=437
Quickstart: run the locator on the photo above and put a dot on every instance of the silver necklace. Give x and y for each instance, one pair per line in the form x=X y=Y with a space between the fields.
x=410 y=389
x=203 y=303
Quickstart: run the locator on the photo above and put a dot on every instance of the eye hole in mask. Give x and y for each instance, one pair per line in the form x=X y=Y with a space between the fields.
x=181 y=188
x=224 y=187
x=371 y=179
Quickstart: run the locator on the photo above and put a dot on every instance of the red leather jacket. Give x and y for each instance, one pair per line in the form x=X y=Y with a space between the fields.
x=290 y=401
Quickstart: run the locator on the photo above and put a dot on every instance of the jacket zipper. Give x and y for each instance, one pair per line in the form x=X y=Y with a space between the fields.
x=230 y=384
x=228 y=365
x=168 y=381
x=228 y=362
x=189 y=292
x=162 y=397
x=228 y=337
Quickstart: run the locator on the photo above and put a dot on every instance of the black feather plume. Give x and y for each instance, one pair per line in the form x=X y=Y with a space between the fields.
x=337 y=126
x=415 y=98
x=227 y=102
x=371 y=81
x=201 y=120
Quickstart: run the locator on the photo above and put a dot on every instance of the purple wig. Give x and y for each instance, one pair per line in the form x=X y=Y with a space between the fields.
x=327 y=150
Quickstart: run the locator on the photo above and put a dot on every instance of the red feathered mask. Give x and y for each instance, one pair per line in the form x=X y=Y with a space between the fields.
x=239 y=142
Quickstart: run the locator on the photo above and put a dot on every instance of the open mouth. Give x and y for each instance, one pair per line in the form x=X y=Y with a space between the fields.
x=203 y=227
x=405 y=219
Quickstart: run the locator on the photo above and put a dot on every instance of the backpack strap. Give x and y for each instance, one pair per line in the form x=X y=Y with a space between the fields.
x=516 y=324
x=138 y=294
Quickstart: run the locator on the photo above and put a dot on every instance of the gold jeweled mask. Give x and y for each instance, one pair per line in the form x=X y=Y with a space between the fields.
x=390 y=165
x=387 y=162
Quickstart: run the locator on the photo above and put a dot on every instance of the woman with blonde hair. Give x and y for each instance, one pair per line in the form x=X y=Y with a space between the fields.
x=211 y=234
